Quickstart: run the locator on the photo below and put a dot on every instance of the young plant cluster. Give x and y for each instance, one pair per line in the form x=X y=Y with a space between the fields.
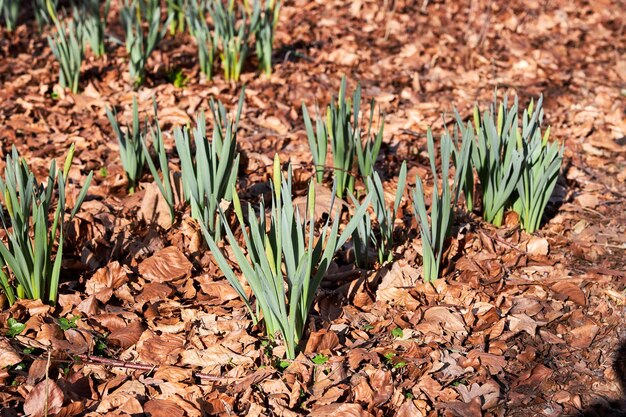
x=516 y=168
x=34 y=251
x=208 y=167
x=68 y=44
x=341 y=127
x=351 y=154
x=230 y=36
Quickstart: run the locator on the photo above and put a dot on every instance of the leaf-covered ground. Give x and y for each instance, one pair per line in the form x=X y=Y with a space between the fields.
x=519 y=325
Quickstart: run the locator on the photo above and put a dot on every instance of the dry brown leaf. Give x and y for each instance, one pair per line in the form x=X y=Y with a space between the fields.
x=408 y=409
x=168 y=264
x=219 y=290
x=162 y=408
x=8 y=354
x=105 y=280
x=521 y=322
x=358 y=355
x=380 y=381
x=172 y=373
x=127 y=336
x=154 y=291
x=569 y=291
x=537 y=246
x=462 y=409
x=582 y=337
x=46 y=398
x=214 y=355
x=322 y=341
x=340 y=410
x=163 y=349
x=452 y=322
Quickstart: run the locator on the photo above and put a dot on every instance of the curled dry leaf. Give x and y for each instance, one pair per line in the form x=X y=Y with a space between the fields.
x=125 y=337
x=221 y=290
x=172 y=373
x=537 y=246
x=522 y=323
x=154 y=291
x=396 y=283
x=488 y=393
x=383 y=388
x=566 y=290
x=463 y=409
x=163 y=349
x=162 y=408
x=214 y=355
x=582 y=337
x=8 y=354
x=168 y=264
x=452 y=322
x=46 y=398
x=340 y=410
x=105 y=280
x=322 y=341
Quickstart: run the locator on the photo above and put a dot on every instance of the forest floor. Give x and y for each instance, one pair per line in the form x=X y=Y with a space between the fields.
x=519 y=324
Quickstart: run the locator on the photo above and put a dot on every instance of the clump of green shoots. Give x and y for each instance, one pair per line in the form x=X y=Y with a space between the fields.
x=66 y=46
x=343 y=136
x=286 y=259
x=365 y=235
x=497 y=159
x=176 y=15
x=92 y=23
x=164 y=184
x=131 y=146
x=318 y=142
x=10 y=10
x=367 y=153
x=461 y=156
x=44 y=12
x=140 y=41
x=205 y=40
x=542 y=163
x=33 y=267
x=232 y=35
x=385 y=215
x=435 y=229
x=342 y=129
x=209 y=175
x=264 y=28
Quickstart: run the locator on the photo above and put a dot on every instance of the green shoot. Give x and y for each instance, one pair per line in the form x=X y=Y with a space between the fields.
x=496 y=158
x=131 y=147
x=92 y=24
x=67 y=48
x=141 y=42
x=385 y=215
x=542 y=163
x=209 y=176
x=436 y=229
x=263 y=28
x=164 y=184
x=9 y=9
x=232 y=37
x=206 y=42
